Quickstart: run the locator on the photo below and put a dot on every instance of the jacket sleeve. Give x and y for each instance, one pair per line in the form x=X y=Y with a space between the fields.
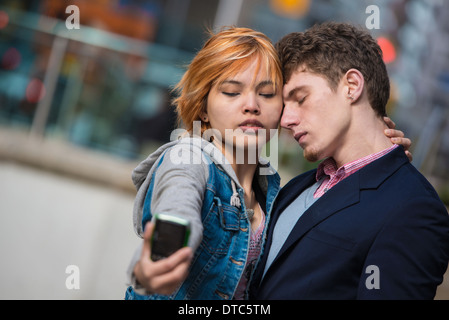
x=179 y=187
x=409 y=256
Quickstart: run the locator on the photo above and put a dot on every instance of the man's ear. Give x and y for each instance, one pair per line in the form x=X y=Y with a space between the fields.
x=353 y=84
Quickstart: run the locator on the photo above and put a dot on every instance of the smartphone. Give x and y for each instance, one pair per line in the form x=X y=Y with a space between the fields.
x=170 y=234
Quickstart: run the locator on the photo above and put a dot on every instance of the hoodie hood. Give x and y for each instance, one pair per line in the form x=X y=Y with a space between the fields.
x=141 y=172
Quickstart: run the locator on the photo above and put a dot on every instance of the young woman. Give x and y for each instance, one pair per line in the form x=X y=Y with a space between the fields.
x=229 y=101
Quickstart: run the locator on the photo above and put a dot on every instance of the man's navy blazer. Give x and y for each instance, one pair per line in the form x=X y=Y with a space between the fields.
x=381 y=233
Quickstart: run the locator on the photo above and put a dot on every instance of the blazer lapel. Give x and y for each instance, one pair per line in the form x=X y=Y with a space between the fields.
x=286 y=195
x=290 y=192
x=342 y=195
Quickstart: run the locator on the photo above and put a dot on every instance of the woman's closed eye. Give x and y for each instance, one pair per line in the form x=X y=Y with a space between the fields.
x=230 y=94
x=268 y=95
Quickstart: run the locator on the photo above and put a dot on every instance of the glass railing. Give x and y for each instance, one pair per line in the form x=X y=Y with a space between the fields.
x=88 y=86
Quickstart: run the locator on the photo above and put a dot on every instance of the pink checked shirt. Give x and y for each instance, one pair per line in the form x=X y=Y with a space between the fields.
x=328 y=168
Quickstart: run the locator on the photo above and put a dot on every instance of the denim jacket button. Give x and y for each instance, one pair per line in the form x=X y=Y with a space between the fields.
x=239 y=263
x=222 y=295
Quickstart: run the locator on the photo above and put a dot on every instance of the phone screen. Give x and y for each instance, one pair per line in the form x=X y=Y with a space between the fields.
x=168 y=237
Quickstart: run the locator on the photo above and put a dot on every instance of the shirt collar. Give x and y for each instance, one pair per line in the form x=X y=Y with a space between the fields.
x=329 y=167
x=326 y=168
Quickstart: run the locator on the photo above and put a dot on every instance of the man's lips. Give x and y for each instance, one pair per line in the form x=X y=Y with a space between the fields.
x=300 y=136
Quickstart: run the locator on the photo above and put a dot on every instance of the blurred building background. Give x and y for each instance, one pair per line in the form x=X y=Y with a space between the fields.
x=79 y=108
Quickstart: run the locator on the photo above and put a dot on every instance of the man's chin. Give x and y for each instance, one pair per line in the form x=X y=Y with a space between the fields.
x=311 y=155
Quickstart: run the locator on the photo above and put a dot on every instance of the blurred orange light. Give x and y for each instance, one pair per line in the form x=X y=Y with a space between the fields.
x=4 y=19
x=35 y=91
x=388 y=49
x=290 y=8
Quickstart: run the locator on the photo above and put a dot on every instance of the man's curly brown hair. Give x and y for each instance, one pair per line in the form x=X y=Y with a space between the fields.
x=330 y=50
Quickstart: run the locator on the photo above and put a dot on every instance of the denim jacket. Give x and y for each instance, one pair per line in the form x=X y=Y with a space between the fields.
x=221 y=250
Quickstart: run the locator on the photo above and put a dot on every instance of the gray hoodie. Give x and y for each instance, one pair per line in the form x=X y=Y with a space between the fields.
x=180 y=182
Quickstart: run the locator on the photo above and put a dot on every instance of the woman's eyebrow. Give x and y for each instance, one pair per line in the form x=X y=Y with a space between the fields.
x=232 y=82
x=264 y=84
x=261 y=84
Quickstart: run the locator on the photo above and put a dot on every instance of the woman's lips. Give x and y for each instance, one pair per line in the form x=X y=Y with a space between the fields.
x=253 y=125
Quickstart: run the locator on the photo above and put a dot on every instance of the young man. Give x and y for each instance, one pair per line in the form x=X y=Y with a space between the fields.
x=366 y=224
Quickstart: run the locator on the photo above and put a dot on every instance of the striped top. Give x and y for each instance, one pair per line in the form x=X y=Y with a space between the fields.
x=255 y=246
x=327 y=170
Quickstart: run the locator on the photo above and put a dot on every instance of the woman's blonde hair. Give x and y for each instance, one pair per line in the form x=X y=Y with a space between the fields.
x=225 y=54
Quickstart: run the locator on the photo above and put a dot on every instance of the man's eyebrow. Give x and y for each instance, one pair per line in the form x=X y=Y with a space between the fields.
x=296 y=90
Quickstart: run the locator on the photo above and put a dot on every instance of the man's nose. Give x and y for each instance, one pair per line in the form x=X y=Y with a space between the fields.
x=289 y=117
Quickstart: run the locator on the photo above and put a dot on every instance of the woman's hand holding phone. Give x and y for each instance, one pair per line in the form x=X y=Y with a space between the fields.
x=162 y=276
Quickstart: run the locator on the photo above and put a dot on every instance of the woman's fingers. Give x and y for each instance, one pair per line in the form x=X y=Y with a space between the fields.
x=165 y=275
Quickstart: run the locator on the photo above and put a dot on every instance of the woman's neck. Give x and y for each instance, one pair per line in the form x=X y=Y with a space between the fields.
x=243 y=162
x=245 y=169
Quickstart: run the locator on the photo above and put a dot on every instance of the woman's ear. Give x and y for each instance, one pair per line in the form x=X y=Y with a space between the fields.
x=354 y=84
x=204 y=117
